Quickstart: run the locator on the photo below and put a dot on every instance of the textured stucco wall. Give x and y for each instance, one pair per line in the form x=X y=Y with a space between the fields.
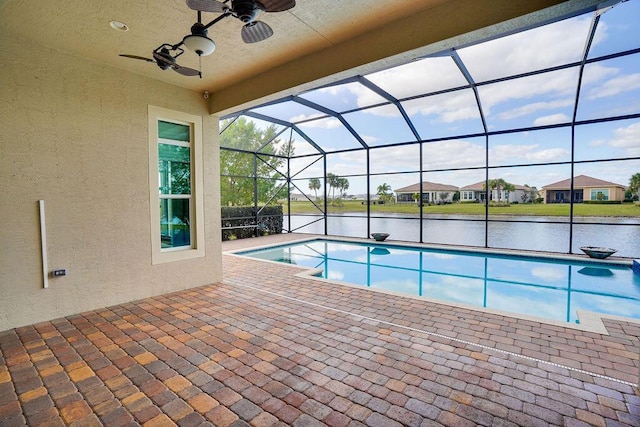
x=75 y=134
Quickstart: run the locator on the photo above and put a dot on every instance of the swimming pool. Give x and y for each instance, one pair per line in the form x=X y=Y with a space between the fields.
x=543 y=287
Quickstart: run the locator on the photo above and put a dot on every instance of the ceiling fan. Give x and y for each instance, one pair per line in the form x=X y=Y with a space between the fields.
x=163 y=58
x=198 y=41
x=245 y=10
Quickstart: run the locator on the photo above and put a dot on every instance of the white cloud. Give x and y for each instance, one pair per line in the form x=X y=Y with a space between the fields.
x=389 y=110
x=302 y=117
x=335 y=275
x=453 y=154
x=548 y=155
x=593 y=73
x=558 y=43
x=448 y=107
x=508 y=152
x=512 y=153
x=551 y=119
x=326 y=123
x=527 y=109
x=364 y=96
x=370 y=140
x=615 y=86
x=549 y=274
x=559 y=84
x=597 y=143
x=628 y=139
x=424 y=76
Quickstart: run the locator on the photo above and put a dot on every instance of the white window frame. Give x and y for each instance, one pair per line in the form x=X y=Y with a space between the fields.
x=594 y=193
x=197 y=246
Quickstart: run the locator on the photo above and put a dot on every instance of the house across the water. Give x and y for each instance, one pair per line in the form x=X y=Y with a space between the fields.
x=477 y=193
x=585 y=188
x=432 y=192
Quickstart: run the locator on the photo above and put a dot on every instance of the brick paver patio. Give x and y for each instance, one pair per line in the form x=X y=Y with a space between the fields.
x=266 y=347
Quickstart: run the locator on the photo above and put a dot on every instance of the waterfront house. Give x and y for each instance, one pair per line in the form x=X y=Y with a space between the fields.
x=432 y=192
x=585 y=188
x=477 y=193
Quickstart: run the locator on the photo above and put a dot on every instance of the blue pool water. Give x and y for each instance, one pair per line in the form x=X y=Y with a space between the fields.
x=547 y=288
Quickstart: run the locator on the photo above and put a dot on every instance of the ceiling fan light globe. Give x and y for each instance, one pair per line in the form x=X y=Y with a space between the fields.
x=201 y=45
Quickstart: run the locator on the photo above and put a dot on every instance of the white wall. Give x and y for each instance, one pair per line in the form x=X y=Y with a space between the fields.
x=74 y=133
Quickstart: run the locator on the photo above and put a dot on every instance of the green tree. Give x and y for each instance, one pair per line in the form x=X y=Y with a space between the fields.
x=315 y=185
x=174 y=169
x=499 y=184
x=343 y=186
x=237 y=167
x=384 y=192
x=634 y=183
x=332 y=182
x=508 y=188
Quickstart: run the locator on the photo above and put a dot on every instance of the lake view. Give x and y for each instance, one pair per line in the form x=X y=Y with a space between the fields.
x=543 y=235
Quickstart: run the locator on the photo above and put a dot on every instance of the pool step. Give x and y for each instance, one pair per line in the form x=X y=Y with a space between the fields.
x=636 y=266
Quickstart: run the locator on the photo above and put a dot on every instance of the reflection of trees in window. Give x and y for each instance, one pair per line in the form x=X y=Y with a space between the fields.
x=237 y=166
x=175 y=169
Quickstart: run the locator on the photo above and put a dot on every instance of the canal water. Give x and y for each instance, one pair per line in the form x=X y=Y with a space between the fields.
x=535 y=233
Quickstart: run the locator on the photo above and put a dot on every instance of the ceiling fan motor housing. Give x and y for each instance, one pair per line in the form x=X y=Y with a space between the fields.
x=245 y=10
x=163 y=59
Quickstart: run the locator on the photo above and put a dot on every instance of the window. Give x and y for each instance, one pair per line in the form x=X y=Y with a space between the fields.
x=600 y=194
x=175 y=183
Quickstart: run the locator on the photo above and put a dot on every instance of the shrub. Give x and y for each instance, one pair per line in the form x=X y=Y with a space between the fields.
x=494 y=204
x=240 y=221
x=602 y=202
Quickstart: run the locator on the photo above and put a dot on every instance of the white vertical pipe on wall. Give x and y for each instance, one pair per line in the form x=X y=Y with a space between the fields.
x=43 y=242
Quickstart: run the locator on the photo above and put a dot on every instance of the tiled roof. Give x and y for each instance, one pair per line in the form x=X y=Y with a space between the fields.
x=479 y=186
x=427 y=186
x=581 y=181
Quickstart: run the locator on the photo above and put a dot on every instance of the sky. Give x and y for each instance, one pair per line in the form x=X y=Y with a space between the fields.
x=608 y=88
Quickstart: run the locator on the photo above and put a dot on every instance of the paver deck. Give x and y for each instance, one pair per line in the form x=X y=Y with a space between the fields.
x=267 y=347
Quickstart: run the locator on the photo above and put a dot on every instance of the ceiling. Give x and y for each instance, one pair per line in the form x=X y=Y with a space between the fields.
x=82 y=28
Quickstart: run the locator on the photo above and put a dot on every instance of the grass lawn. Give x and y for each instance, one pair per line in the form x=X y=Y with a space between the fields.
x=538 y=209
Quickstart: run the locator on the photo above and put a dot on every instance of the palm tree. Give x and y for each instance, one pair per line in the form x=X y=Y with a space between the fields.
x=343 y=186
x=332 y=182
x=384 y=191
x=508 y=187
x=634 y=183
x=314 y=184
x=497 y=184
